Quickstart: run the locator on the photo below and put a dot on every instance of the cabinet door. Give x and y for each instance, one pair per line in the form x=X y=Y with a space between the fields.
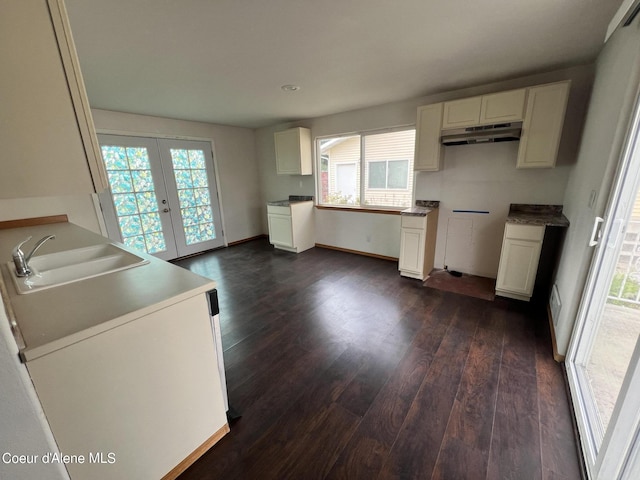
x=518 y=266
x=280 y=230
x=411 y=250
x=429 y=151
x=462 y=113
x=542 y=127
x=503 y=107
x=293 y=151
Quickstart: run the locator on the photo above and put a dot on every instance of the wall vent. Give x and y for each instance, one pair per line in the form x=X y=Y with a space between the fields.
x=555 y=304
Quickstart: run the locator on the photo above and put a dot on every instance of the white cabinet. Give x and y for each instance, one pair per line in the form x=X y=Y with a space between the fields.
x=140 y=397
x=521 y=246
x=542 y=127
x=462 y=113
x=293 y=151
x=501 y=107
x=47 y=136
x=417 y=244
x=429 y=150
x=291 y=227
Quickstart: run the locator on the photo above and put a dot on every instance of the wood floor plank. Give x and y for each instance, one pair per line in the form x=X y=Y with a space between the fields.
x=341 y=368
x=515 y=446
x=465 y=448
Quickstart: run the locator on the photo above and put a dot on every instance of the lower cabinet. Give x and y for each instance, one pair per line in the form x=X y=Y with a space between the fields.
x=521 y=247
x=417 y=245
x=137 y=400
x=291 y=227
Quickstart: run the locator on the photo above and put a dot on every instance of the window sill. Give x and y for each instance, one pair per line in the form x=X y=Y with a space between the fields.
x=384 y=211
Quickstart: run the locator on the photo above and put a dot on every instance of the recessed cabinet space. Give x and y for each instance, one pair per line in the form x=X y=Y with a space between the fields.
x=495 y=108
x=291 y=227
x=48 y=138
x=429 y=150
x=293 y=151
x=542 y=126
x=521 y=247
x=417 y=245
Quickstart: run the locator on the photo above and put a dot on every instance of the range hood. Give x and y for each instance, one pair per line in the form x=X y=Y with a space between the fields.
x=503 y=132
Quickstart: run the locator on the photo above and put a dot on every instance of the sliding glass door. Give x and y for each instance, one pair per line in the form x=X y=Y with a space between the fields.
x=163 y=197
x=603 y=364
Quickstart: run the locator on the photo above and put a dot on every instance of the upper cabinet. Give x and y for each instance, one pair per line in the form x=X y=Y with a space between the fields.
x=49 y=146
x=542 y=127
x=485 y=110
x=541 y=110
x=293 y=151
x=429 y=151
x=462 y=113
x=503 y=107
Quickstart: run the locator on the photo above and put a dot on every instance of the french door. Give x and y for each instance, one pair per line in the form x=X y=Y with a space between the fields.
x=163 y=198
x=603 y=363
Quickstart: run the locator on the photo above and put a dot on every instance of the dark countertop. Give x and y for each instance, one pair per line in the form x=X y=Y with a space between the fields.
x=422 y=208
x=547 y=215
x=290 y=200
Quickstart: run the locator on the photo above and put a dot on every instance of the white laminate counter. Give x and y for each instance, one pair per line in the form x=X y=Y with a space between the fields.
x=57 y=317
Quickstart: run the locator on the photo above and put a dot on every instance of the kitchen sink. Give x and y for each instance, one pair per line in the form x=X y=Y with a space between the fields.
x=61 y=268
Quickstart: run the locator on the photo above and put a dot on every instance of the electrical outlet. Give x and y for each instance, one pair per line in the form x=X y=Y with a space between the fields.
x=555 y=304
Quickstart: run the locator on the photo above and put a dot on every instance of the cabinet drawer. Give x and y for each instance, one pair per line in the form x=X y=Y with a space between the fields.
x=277 y=210
x=411 y=221
x=524 y=232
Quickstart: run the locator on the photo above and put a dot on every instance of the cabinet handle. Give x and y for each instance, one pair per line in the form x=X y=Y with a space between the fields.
x=165 y=210
x=593 y=241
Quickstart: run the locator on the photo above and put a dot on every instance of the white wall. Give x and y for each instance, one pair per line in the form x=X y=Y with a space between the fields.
x=615 y=87
x=234 y=151
x=23 y=427
x=79 y=208
x=474 y=176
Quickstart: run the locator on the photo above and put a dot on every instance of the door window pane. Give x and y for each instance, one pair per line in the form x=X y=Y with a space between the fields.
x=134 y=197
x=619 y=326
x=192 y=182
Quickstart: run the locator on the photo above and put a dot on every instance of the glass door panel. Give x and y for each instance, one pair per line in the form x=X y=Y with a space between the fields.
x=603 y=362
x=191 y=186
x=135 y=216
x=163 y=197
x=619 y=325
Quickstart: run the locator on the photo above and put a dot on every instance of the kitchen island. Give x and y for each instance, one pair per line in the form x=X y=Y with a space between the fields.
x=124 y=364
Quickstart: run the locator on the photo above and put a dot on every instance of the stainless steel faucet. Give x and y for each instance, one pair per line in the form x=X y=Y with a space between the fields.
x=21 y=260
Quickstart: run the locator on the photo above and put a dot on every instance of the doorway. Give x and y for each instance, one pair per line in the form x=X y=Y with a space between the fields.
x=163 y=196
x=603 y=363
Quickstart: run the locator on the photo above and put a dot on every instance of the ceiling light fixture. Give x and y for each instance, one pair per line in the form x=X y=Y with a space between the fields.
x=289 y=88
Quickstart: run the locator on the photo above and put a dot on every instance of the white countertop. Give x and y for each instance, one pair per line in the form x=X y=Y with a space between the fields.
x=56 y=317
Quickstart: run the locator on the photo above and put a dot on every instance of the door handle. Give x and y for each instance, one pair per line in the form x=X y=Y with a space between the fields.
x=593 y=241
x=166 y=210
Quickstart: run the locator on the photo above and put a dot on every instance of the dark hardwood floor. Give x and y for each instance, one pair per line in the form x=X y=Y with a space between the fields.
x=341 y=368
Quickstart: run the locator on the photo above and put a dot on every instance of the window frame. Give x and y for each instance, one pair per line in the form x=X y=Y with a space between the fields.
x=361 y=164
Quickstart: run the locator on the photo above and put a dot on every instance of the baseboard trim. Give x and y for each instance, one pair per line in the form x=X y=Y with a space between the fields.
x=197 y=453
x=556 y=356
x=245 y=240
x=357 y=252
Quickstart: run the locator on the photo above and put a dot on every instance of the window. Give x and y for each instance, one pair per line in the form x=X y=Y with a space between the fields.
x=386 y=159
x=389 y=174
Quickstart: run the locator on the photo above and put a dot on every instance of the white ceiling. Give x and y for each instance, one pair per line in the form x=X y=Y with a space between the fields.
x=224 y=61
